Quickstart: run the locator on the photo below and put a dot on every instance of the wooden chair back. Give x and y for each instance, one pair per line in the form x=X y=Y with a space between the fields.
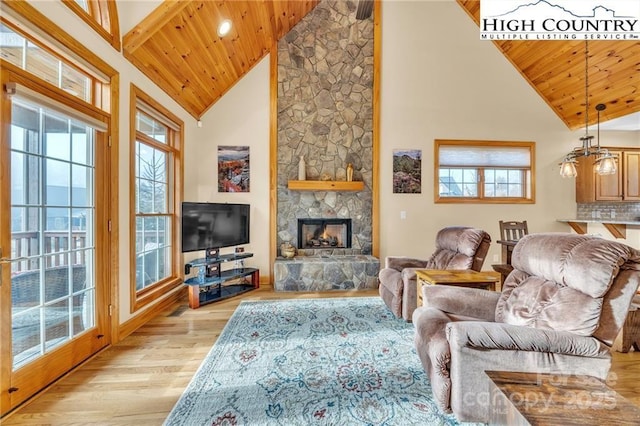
x=511 y=230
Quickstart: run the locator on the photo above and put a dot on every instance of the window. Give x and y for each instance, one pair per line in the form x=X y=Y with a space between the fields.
x=484 y=171
x=156 y=180
x=101 y=15
x=34 y=58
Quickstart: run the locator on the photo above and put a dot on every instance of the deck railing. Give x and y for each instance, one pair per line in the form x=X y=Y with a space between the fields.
x=59 y=248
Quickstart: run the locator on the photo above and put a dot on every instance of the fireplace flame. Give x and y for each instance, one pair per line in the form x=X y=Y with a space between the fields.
x=323 y=235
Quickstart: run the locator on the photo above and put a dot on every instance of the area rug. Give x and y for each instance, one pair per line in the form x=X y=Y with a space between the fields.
x=344 y=361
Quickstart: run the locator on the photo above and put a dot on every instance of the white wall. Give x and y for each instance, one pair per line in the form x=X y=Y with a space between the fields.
x=241 y=117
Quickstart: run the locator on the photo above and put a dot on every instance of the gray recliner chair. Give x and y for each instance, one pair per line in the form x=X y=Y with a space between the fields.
x=457 y=247
x=559 y=312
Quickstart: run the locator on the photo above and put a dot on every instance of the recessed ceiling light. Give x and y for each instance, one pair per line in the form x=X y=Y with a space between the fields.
x=224 y=27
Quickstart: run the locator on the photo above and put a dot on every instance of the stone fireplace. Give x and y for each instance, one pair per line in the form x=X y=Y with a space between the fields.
x=325 y=114
x=324 y=233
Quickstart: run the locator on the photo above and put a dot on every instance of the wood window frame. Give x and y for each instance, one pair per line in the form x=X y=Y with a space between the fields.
x=106 y=105
x=102 y=17
x=529 y=178
x=142 y=297
x=99 y=92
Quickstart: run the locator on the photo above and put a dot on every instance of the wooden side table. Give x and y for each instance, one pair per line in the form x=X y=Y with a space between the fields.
x=539 y=398
x=630 y=334
x=455 y=277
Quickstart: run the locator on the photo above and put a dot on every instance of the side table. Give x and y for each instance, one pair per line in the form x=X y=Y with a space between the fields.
x=630 y=334
x=539 y=398
x=455 y=277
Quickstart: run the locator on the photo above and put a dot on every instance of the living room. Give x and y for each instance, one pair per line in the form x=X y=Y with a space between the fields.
x=438 y=80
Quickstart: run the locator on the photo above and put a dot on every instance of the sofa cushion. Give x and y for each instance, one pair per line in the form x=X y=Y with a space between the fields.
x=540 y=303
x=460 y=239
x=559 y=281
x=586 y=263
x=456 y=247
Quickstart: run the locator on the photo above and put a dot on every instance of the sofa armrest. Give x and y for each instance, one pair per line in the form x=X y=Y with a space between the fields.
x=468 y=302
x=400 y=262
x=501 y=336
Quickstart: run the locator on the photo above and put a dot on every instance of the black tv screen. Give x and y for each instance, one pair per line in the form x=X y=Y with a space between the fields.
x=214 y=225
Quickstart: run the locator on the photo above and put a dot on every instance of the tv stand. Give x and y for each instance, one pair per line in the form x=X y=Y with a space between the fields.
x=210 y=286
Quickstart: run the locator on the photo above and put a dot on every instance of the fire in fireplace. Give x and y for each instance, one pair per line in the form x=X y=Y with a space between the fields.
x=324 y=233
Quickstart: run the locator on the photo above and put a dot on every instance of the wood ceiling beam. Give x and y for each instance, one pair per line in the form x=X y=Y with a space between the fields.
x=153 y=23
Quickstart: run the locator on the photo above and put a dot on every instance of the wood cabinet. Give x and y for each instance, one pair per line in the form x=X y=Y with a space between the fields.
x=609 y=187
x=624 y=185
x=631 y=173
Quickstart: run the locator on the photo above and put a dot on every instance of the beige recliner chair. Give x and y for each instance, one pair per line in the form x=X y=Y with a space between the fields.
x=559 y=312
x=457 y=247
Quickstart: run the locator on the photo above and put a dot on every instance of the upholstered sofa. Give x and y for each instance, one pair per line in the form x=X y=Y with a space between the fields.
x=457 y=247
x=559 y=311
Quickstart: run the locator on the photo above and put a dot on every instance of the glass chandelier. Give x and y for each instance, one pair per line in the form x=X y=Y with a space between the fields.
x=605 y=161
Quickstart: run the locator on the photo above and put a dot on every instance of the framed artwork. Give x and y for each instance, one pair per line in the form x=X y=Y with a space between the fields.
x=407 y=171
x=233 y=168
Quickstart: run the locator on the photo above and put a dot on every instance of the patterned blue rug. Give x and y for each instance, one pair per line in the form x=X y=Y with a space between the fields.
x=342 y=361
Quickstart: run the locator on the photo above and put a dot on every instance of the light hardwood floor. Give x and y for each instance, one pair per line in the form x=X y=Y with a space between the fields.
x=137 y=381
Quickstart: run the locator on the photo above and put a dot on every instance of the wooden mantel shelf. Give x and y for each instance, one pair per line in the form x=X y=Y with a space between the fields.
x=325 y=185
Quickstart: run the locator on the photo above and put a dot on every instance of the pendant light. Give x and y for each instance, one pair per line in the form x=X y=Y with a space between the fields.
x=605 y=161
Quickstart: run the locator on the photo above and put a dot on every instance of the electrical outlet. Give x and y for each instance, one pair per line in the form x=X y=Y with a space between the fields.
x=613 y=214
x=496 y=258
x=403 y=215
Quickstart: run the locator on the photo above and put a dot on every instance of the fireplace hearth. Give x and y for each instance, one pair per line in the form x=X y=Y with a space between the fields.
x=324 y=233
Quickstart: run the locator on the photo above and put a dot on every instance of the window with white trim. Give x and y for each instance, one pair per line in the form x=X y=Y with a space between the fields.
x=484 y=171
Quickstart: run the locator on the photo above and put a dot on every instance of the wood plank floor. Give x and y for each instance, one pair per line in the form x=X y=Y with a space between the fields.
x=137 y=381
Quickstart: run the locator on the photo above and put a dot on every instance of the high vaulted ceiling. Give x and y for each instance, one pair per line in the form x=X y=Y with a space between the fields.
x=177 y=46
x=556 y=70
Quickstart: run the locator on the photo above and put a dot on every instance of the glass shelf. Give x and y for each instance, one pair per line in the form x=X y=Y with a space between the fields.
x=227 y=275
x=220 y=259
x=204 y=289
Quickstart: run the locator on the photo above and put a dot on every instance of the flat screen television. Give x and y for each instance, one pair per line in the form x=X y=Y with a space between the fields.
x=214 y=225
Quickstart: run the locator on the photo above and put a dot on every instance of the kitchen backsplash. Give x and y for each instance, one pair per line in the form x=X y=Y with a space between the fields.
x=614 y=211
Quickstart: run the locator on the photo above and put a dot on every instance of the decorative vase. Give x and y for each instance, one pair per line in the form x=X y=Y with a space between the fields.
x=302 y=169
x=287 y=250
x=349 y=172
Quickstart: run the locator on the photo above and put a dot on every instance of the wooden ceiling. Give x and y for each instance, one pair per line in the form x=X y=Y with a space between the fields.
x=177 y=45
x=556 y=70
